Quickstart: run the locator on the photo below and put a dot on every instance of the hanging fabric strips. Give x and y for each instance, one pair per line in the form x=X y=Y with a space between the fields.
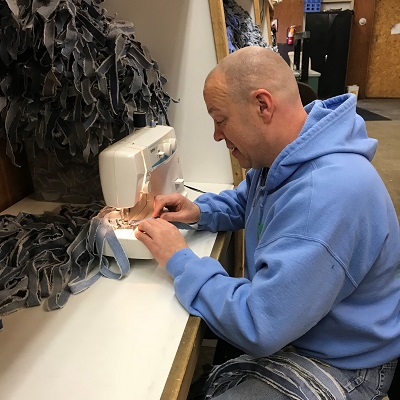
x=71 y=77
x=55 y=254
x=240 y=28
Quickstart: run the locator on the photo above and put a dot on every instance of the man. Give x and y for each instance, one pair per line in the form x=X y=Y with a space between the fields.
x=322 y=243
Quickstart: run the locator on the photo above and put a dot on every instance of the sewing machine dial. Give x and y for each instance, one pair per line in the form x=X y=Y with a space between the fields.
x=172 y=142
x=167 y=148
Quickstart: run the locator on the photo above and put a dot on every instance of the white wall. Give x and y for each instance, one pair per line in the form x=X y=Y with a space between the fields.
x=248 y=6
x=337 y=4
x=179 y=37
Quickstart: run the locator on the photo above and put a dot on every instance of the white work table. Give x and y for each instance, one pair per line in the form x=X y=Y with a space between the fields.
x=116 y=340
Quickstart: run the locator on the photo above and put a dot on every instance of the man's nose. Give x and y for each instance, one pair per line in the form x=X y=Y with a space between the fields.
x=218 y=135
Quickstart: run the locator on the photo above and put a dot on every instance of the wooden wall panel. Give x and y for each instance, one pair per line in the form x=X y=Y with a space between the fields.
x=384 y=67
x=15 y=182
x=359 y=49
x=288 y=12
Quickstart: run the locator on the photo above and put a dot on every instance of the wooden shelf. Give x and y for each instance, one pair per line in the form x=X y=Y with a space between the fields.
x=337 y=1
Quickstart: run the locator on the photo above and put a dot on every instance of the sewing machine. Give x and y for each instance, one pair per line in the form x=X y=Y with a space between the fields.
x=132 y=172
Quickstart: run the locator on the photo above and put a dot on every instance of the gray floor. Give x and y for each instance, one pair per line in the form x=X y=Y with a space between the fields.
x=389 y=108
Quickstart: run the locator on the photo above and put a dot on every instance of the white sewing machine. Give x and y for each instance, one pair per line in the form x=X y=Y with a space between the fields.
x=133 y=171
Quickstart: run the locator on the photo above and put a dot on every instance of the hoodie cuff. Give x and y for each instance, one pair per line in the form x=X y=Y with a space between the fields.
x=176 y=264
x=206 y=215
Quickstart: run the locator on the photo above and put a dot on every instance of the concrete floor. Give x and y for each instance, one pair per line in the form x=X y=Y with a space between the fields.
x=387 y=158
x=389 y=108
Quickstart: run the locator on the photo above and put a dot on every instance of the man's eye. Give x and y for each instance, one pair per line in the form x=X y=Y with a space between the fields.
x=220 y=121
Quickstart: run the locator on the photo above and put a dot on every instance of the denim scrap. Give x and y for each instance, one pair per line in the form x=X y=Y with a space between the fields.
x=240 y=28
x=295 y=376
x=55 y=254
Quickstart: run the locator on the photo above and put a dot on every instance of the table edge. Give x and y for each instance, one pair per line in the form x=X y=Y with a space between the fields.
x=181 y=373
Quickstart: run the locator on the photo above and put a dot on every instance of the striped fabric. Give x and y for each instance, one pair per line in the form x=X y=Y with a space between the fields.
x=295 y=376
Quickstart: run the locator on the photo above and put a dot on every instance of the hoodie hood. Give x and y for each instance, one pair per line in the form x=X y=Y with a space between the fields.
x=332 y=126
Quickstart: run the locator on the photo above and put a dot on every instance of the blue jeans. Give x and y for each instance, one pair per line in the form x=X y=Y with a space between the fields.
x=287 y=375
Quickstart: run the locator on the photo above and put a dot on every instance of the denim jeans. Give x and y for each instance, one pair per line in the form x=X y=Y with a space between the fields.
x=287 y=375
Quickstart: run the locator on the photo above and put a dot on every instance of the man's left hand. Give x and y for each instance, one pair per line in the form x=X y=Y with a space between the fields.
x=161 y=237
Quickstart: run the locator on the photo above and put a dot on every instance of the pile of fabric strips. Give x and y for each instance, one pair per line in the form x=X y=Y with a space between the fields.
x=55 y=254
x=71 y=78
x=240 y=28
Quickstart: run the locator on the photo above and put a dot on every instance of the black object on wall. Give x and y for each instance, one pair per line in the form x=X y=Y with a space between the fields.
x=302 y=45
x=329 y=48
x=284 y=49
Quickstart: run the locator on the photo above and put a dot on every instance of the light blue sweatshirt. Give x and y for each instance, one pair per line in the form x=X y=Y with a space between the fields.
x=322 y=250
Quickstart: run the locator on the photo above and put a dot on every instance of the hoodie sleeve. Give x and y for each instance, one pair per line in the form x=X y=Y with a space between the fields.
x=277 y=307
x=224 y=211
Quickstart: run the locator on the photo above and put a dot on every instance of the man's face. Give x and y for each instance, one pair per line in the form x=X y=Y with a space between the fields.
x=235 y=122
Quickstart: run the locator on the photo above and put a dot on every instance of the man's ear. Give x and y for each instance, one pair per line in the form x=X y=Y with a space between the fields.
x=265 y=103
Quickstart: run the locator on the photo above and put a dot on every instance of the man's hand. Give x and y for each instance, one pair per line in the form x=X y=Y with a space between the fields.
x=176 y=208
x=161 y=238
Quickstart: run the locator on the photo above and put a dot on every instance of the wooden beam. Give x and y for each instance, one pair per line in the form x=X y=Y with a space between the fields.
x=218 y=23
x=238 y=172
x=257 y=12
x=268 y=9
x=221 y=48
x=219 y=28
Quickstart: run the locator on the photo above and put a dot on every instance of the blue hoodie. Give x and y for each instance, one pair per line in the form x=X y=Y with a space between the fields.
x=322 y=254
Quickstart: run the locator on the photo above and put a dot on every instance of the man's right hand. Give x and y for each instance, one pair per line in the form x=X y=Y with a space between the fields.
x=176 y=208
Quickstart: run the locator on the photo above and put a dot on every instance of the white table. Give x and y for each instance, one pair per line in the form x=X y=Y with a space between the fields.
x=116 y=340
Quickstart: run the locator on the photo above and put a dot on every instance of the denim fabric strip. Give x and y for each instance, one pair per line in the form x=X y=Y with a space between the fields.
x=84 y=245
x=241 y=29
x=105 y=232
x=309 y=370
x=14 y=297
x=295 y=376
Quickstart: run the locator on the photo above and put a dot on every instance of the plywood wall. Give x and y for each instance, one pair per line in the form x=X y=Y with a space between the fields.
x=383 y=79
x=288 y=12
x=360 y=45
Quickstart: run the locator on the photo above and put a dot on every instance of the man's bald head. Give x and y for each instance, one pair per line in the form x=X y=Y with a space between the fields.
x=253 y=98
x=252 y=68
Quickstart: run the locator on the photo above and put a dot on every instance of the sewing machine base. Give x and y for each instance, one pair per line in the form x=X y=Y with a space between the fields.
x=133 y=247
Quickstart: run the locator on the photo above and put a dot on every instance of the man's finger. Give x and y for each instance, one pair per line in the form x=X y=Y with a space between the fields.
x=152 y=226
x=143 y=237
x=169 y=216
x=158 y=209
x=146 y=226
